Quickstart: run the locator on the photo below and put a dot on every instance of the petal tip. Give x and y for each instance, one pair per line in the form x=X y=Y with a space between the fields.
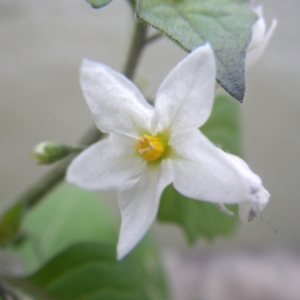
x=122 y=252
x=204 y=49
x=258 y=10
x=252 y=208
x=86 y=62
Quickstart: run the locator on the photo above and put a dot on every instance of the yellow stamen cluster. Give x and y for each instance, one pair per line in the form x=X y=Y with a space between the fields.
x=149 y=147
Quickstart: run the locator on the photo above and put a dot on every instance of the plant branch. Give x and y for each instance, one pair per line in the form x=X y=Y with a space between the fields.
x=27 y=287
x=135 y=49
x=153 y=37
x=6 y=293
x=44 y=185
x=51 y=179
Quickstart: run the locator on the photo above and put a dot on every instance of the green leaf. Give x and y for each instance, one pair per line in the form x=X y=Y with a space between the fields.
x=198 y=218
x=223 y=127
x=67 y=215
x=98 y=3
x=10 y=224
x=225 y=24
x=90 y=271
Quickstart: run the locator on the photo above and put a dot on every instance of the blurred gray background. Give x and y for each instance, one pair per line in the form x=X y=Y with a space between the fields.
x=41 y=46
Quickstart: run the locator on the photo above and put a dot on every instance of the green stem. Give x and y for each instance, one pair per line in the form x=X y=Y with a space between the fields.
x=153 y=37
x=44 y=185
x=7 y=293
x=51 y=179
x=135 y=49
x=23 y=284
x=132 y=3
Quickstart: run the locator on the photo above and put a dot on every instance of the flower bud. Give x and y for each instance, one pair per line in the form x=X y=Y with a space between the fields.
x=49 y=152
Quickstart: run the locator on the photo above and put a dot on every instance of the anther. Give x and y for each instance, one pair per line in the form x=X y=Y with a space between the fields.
x=149 y=147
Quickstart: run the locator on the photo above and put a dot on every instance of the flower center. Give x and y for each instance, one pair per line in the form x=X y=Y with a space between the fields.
x=149 y=147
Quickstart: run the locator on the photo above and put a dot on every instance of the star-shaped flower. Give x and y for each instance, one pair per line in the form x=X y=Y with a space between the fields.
x=150 y=147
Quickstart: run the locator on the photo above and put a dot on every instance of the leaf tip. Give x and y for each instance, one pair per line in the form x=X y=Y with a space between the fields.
x=237 y=92
x=98 y=3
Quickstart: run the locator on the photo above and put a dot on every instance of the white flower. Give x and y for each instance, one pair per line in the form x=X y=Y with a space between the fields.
x=259 y=196
x=260 y=38
x=150 y=147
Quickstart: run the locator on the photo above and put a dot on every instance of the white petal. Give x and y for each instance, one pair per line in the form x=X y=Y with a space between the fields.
x=185 y=98
x=224 y=209
x=259 y=39
x=139 y=206
x=106 y=165
x=250 y=209
x=203 y=172
x=252 y=180
x=257 y=197
x=259 y=27
x=115 y=102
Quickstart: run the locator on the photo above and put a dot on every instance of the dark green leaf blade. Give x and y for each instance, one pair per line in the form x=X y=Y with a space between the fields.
x=77 y=225
x=67 y=215
x=198 y=218
x=90 y=271
x=10 y=224
x=98 y=3
x=223 y=127
x=225 y=24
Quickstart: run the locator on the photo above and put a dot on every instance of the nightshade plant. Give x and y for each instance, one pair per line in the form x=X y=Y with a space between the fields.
x=149 y=148
x=161 y=159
